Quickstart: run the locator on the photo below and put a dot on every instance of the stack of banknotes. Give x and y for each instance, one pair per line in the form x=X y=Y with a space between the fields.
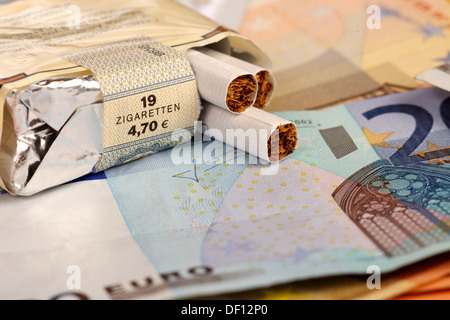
x=359 y=210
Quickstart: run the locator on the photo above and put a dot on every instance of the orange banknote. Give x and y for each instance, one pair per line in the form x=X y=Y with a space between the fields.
x=326 y=51
x=408 y=282
x=435 y=290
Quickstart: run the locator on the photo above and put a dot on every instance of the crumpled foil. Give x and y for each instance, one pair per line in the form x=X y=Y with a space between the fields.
x=52 y=133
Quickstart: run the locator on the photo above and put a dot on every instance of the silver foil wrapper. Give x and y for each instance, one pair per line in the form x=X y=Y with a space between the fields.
x=52 y=133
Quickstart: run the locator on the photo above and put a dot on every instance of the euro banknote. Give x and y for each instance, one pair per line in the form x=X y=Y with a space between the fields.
x=437 y=285
x=426 y=276
x=435 y=290
x=368 y=186
x=432 y=295
x=327 y=51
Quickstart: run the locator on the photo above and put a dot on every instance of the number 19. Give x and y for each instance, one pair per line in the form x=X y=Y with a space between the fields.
x=149 y=101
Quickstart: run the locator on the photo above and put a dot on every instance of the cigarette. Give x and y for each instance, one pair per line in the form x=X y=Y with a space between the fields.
x=282 y=142
x=264 y=78
x=255 y=131
x=265 y=89
x=222 y=84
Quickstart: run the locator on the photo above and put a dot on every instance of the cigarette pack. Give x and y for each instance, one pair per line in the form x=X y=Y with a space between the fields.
x=94 y=84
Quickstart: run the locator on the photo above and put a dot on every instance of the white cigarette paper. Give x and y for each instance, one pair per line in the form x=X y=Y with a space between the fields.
x=265 y=79
x=255 y=131
x=216 y=81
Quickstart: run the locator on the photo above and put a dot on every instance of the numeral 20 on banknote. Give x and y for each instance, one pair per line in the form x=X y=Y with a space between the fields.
x=424 y=124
